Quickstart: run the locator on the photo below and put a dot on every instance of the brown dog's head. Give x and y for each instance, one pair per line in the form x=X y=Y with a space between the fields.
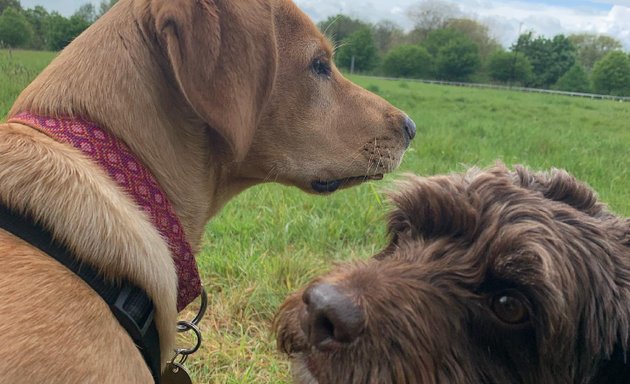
x=262 y=76
x=490 y=277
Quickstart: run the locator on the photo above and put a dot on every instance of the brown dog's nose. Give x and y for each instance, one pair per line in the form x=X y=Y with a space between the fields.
x=410 y=128
x=330 y=316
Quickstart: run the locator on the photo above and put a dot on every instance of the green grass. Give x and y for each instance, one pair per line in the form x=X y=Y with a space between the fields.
x=272 y=239
x=17 y=69
x=458 y=127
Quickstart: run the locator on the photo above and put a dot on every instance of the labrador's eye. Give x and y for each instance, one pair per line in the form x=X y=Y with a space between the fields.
x=321 y=67
x=510 y=308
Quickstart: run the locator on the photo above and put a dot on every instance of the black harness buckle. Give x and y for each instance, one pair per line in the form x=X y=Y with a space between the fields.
x=134 y=315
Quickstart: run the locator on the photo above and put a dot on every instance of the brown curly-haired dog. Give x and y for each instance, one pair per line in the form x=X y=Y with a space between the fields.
x=490 y=277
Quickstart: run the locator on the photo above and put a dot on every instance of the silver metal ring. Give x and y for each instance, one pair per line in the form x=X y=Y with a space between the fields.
x=186 y=326
x=200 y=314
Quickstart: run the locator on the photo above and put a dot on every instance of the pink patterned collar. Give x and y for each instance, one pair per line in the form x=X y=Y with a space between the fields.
x=131 y=175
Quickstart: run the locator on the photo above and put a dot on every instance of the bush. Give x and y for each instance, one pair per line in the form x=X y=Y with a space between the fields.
x=574 y=80
x=611 y=75
x=409 y=61
x=509 y=67
x=457 y=60
x=439 y=38
x=15 y=30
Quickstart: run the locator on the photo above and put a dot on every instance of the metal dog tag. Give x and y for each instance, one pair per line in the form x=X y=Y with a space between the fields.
x=175 y=373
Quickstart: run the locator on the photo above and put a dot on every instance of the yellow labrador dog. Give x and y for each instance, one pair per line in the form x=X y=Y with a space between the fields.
x=210 y=97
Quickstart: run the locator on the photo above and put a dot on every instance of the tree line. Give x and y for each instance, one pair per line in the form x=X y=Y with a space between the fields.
x=36 y=28
x=444 y=44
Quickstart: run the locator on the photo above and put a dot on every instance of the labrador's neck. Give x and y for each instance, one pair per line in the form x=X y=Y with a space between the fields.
x=112 y=75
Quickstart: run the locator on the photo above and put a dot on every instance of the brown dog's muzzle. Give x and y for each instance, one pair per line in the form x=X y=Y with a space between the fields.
x=330 y=317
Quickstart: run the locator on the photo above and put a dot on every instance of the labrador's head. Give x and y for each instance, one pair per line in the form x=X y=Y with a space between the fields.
x=262 y=75
x=319 y=130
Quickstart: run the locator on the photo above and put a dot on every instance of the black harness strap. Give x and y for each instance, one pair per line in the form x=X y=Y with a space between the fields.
x=131 y=306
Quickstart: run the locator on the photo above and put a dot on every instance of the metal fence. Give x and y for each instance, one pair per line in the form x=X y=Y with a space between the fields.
x=510 y=88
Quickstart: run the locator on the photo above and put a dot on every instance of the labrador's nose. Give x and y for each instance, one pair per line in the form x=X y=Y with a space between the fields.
x=410 y=128
x=331 y=316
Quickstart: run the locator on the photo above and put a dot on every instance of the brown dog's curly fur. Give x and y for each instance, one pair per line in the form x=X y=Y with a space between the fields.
x=490 y=277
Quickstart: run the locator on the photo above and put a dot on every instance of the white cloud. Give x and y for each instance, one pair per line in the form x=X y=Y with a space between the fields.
x=618 y=2
x=618 y=24
x=505 y=18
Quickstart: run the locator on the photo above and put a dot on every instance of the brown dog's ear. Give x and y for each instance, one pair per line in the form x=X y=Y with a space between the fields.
x=223 y=58
x=559 y=185
x=431 y=208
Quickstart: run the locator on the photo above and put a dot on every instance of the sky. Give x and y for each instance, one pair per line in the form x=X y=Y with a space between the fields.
x=505 y=18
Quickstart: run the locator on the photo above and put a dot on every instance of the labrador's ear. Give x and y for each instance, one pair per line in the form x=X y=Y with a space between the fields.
x=223 y=58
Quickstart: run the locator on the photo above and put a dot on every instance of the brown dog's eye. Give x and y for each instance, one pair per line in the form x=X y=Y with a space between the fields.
x=321 y=67
x=510 y=308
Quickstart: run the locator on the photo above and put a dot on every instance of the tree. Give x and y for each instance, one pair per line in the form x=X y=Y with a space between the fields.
x=591 y=48
x=457 y=60
x=15 y=4
x=37 y=17
x=575 y=80
x=360 y=46
x=415 y=36
x=430 y=15
x=563 y=56
x=410 y=61
x=550 y=58
x=15 y=30
x=87 y=13
x=437 y=39
x=338 y=28
x=478 y=33
x=509 y=67
x=104 y=6
x=61 y=31
x=455 y=55
x=611 y=75
x=57 y=30
x=387 y=35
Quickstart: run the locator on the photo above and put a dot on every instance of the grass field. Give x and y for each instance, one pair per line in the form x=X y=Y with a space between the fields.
x=272 y=239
